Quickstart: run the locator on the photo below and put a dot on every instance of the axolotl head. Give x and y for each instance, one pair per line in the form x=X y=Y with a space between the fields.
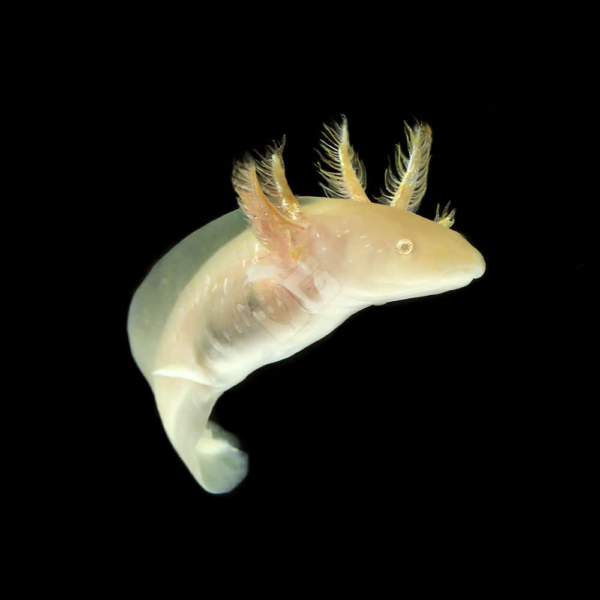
x=378 y=252
x=381 y=254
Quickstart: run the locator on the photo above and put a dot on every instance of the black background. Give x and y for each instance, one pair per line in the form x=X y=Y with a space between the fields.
x=464 y=411
x=445 y=440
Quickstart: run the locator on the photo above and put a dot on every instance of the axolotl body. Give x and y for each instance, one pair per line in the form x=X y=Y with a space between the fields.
x=265 y=281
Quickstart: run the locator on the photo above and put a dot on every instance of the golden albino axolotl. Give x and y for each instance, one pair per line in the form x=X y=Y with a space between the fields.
x=258 y=285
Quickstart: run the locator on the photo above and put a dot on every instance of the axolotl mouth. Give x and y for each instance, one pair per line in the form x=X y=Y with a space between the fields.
x=446 y=281
x=453 y=279
x=473 y=271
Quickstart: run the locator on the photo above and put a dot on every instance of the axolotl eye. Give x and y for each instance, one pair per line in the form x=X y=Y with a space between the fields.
x=404 y=246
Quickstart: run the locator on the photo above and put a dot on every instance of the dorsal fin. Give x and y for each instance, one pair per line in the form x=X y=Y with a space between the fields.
x=406 y=181
x=348 y=177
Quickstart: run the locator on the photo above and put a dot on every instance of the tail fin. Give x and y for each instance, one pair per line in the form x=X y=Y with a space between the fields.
x=221 y=464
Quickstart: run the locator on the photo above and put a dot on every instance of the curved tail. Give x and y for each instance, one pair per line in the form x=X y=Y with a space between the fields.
x=210 y=453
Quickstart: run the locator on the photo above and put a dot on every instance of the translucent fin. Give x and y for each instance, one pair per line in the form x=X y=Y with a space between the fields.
x=221 y=465
x=406 y=181
x=348 y=177
x=190 y=373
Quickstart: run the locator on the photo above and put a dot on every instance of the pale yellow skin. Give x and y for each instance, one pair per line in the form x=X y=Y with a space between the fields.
x=221 y=304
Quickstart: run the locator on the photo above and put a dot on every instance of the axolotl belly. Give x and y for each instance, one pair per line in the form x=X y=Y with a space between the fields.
x=263 y=282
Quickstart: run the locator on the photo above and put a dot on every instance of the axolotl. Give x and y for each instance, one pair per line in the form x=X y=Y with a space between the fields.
x=263 y=282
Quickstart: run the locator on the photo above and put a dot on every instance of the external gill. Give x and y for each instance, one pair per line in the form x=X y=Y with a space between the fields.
x=270 y=169
x=269 y=205
x=347 y=177
x=406 y=181
x=447 y=218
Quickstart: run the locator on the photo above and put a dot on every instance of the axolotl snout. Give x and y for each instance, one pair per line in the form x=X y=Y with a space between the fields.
x=264 y=282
